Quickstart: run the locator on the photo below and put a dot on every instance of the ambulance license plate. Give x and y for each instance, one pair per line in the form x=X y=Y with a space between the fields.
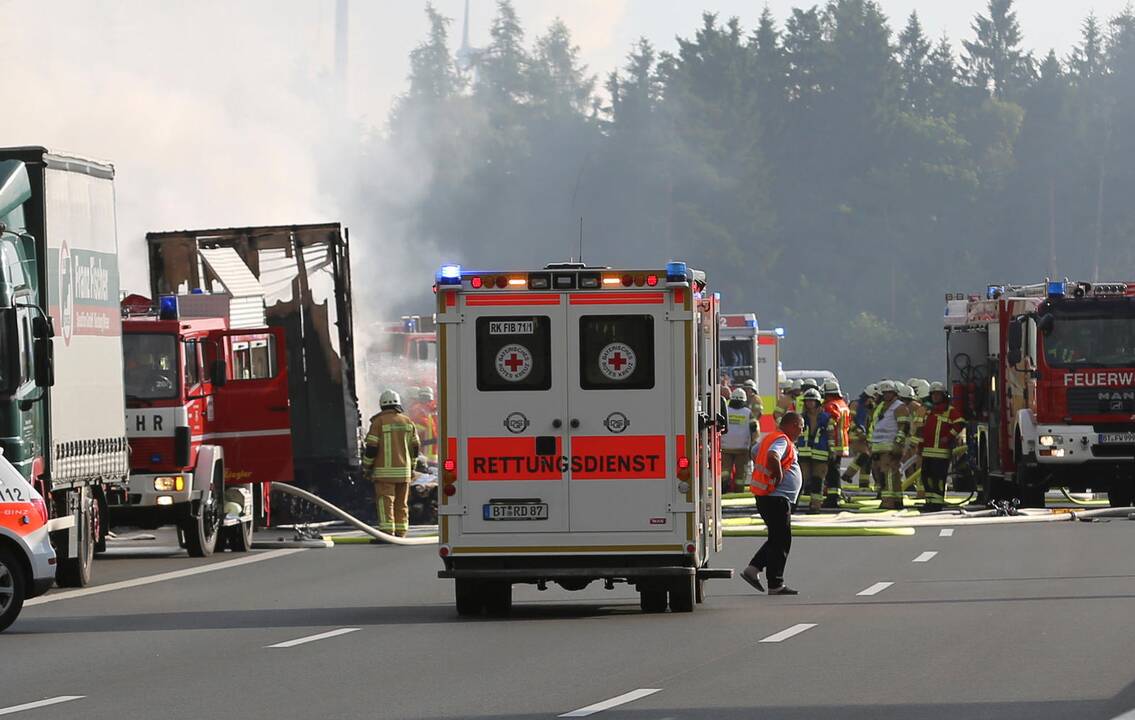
x=516 y=511
x=1119 y=438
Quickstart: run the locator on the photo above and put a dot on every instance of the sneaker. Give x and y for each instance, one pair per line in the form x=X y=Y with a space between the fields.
x=752 y=576
x=783 y=590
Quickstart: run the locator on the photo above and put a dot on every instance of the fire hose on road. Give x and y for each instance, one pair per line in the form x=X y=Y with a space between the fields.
x=350 y=519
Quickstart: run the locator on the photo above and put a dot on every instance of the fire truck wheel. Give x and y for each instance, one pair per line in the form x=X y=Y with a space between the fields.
x=76 y=571
x=652 y=599
x=682 y=594
x=468 y=594
x=13 y=588
x=240 y=537
x=497 y=597
x=201 y=529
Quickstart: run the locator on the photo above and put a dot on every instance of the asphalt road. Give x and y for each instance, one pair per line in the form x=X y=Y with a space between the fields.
x=1028 y=621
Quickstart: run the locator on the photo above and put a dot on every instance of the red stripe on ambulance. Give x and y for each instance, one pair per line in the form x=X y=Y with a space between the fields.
x=512 y=299
x=635 y=457
x=511 y=458
x=616 y=298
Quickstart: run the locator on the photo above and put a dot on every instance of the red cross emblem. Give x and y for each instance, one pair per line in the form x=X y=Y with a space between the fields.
x=617 y=361
x=513 y=362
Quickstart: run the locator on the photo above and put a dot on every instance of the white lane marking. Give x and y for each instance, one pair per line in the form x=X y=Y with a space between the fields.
x=785 y=634
x=926 y=556
x=613 y=702
x=162 y=577
x=875 y=589
x=39 y=704
x=313 y=638
x=946 y=532
x=1129 y=715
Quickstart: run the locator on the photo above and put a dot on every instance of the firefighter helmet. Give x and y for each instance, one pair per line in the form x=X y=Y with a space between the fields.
x=812 y=394
x=809 y=383
x=426 y=393
x=937 y=387
x=921 y=388
x=871 y=390
x=906 y=392
x=886 y=386
x=831 y=387
x=751 y=384
x=797 y=385
x=738 y=394
x=388 y=399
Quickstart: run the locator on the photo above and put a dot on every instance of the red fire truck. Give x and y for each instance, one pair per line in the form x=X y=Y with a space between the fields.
x=208 y=420
x=1045 y=375
x=579 y=432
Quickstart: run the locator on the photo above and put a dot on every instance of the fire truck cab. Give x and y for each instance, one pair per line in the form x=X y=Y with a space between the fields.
x=208 y=421
x=579 y=422
x=1045 y=375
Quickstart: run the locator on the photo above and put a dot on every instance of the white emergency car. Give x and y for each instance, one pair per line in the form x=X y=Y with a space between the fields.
x=578 y=432
x=27 y=560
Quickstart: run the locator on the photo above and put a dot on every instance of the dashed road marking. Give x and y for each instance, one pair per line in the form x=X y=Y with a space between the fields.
x=926 y=556
x=39 y=703
x=161 y=577
x=313 y=638
x=875 y=589
x=613 y=702
x=789 y=632
x=946 y=532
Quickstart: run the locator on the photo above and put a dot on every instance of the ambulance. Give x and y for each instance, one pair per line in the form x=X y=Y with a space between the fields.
x=27 y=559
x=579 y=424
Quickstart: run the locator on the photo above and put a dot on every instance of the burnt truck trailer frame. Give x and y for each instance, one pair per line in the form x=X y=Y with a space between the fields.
x=306 y=272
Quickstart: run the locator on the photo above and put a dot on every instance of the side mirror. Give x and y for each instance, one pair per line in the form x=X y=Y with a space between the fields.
x=1014 y=342
x=42 y=328
x=44 y=362
x=219 y=373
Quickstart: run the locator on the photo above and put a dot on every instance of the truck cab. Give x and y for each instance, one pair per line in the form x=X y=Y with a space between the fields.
x=207 y=417
x=578 y=432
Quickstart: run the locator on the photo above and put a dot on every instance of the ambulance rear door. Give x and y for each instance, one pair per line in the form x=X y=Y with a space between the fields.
x=512 y=413
x=621 y=399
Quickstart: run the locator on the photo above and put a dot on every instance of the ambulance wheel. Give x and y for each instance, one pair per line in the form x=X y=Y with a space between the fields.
x=13 y=588
x=468 y=595
x=240 y=537
x=652 y=599
x=76 y=571
x=497 y=597
x=683 y=592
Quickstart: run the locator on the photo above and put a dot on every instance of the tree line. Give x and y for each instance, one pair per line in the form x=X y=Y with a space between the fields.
x=832 y=171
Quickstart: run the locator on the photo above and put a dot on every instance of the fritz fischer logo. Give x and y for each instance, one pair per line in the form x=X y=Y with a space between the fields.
x=67 y=295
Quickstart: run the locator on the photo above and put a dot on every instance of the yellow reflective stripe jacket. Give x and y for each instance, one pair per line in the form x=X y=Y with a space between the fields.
x=392 y=444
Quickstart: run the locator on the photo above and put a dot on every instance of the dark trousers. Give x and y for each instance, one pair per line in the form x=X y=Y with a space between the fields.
x=934 y=472
x=776 y=511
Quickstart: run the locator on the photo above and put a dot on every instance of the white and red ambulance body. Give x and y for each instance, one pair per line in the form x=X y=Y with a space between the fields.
x=208 y=420
x=27 y=560
x=578 y=431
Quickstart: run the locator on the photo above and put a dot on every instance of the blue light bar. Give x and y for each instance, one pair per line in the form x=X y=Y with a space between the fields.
x=751 y=323
x=779 y=331
x=449 y=275
x=167 y=307
x=676 y=272
x=993 y=292
x=1057 y=289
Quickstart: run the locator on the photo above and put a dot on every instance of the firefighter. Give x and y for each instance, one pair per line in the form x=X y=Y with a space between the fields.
x=784 y=401
x=805 y=385
x=914 y=401
x=392 y=445
x=424 y=415
x=814 y=447
x=888 y=434
x=862 y=410
x=940 y=442
x=756 y=406
x=737 y=443
x=840 y=442
x=787 y=402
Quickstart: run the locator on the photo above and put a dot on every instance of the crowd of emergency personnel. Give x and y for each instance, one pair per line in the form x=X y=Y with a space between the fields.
x=894 y=438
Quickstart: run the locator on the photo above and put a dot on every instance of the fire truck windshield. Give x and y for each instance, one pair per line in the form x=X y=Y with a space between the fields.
x=151 y=366
x=737 y=354
x=1090 y=342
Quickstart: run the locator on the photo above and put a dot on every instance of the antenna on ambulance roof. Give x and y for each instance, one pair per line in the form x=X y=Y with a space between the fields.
x=580 y=239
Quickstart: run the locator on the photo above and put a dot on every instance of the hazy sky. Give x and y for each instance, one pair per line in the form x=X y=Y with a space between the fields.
x=218 y=112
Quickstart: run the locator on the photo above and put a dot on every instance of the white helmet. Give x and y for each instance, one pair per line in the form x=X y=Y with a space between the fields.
x=937 y=387
x=813 y=394
x=906 y=392
x=389 y=398
x=797 y=385
x=886 y=386
x=738 y=394
x=871 y=390
x=426 y=393
x=921 y=388
x=831 y=387
x=807 y=383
